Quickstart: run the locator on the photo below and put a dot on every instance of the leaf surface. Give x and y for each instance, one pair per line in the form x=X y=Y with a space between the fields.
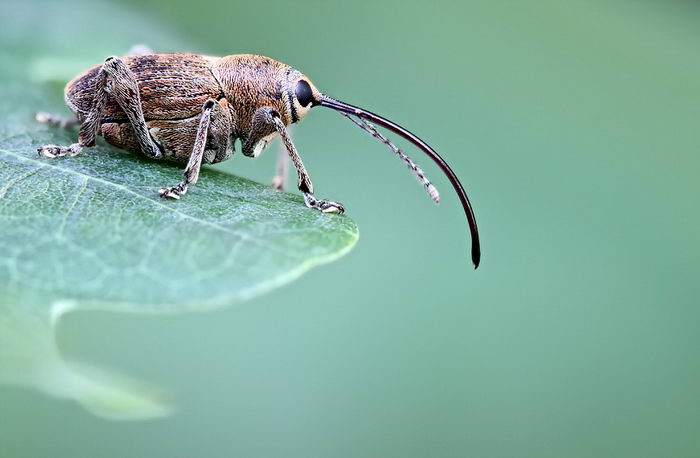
x=92 y=229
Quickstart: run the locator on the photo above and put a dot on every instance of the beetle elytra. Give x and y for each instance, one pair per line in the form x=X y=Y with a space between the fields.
x=192 y=108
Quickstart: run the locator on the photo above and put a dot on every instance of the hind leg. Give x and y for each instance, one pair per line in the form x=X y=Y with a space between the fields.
x=65 y=122
x=55 y=120
x=116 y=80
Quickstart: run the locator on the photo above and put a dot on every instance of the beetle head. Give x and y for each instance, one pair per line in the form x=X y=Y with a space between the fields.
x=302 y=95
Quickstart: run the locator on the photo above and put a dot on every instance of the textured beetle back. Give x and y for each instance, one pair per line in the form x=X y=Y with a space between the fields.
x=172 y=86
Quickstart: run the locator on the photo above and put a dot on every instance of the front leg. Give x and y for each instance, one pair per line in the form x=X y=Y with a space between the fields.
x=266 y=121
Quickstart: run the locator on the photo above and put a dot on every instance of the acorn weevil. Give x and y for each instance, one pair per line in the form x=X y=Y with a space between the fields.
x=191 y=108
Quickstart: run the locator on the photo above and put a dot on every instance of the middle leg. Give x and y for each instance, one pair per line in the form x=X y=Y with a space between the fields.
x=279 y=181
x=212 y=143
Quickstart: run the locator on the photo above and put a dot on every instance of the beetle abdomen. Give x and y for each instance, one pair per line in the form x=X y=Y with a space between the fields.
x=177 y=137
x=171 y=86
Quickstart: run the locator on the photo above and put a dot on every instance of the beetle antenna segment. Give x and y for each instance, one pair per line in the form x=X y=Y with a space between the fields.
x=343 y=107
x=412 y=166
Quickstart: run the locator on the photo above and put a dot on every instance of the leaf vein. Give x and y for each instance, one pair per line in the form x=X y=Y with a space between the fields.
x=16 y=180
x=78 y=195
x=125 y=189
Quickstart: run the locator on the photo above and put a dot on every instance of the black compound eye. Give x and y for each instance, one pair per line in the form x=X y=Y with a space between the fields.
x=304 y=94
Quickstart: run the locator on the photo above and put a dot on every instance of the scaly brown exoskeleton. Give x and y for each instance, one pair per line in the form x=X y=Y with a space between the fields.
x=192 y=108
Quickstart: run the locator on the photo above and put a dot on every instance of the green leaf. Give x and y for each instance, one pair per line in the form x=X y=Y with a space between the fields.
x=92 y=232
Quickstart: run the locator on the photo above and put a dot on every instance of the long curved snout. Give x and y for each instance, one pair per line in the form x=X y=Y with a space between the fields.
x=362 y=114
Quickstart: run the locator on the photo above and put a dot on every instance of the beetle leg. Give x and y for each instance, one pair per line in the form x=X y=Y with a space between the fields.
x=52 y=151
x=55 y=120
x=279 y=181
x=305 y=185
x=115 y=79
x=139 y=50
x=118 y=81
x=195 y=161
x=266 y=121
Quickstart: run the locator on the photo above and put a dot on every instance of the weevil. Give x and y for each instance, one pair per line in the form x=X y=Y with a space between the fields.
x=192 y=108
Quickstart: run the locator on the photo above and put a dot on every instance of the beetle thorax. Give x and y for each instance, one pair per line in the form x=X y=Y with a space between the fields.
x=250 y=82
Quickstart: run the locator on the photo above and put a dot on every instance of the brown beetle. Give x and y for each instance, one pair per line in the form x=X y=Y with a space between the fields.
x=191 y=108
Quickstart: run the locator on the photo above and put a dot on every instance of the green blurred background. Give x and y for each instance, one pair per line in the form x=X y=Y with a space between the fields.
x=574 y=127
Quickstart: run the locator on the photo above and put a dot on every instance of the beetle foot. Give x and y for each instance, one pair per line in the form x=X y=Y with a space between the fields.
x=278 y=183
x=173 y=192
x=59 y=151
x=325 y=206
x=153 y=151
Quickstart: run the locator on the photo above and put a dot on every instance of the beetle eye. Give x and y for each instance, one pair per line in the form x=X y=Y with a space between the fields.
x=304 y=94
